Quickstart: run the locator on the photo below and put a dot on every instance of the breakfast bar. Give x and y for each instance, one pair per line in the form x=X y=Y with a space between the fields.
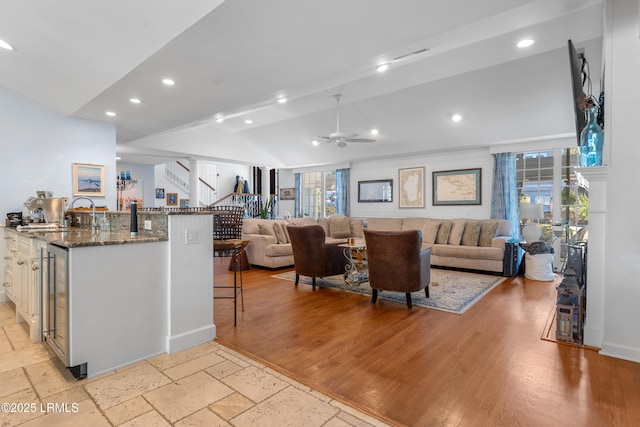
x=103 y=299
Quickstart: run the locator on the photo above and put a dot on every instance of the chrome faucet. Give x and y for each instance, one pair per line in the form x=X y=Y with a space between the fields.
x=94 y=220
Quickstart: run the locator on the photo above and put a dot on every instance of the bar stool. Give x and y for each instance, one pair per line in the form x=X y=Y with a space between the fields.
x=236 y=261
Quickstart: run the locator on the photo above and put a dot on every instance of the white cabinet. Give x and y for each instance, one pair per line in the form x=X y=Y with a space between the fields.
x=22 y=279
x=9 y=261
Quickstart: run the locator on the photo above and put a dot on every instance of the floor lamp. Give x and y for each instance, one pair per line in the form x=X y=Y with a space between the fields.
x=531 y=231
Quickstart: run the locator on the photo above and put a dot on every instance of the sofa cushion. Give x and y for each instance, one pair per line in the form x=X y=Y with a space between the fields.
x=428 y=227
x=472 y=252
x=488 y=231
x=538 y=267
x=339 y=228
x=278 y=229
x=286 y=232
x=443 y=232
x=279 y=250
x=267 y=230
x=457 y=230
x=471 y=233
x=301 y=221
x=385 y=224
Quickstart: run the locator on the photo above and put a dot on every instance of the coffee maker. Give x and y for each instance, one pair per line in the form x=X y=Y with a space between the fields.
x=48 y=210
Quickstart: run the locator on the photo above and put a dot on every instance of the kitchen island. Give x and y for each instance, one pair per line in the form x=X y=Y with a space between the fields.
x=124 y=299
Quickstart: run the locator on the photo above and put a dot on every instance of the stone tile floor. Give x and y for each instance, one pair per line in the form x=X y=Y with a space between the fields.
x=208 y=385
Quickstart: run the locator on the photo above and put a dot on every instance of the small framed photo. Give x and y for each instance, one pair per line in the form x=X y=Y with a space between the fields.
x=159 y=193
x=457 y=187
x=287 y=194
x=184 y=203
x=411 y=190
x=88 y=180
x=172 y=199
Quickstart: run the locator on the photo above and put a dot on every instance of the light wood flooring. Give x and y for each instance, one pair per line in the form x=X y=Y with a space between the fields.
x=424 y=367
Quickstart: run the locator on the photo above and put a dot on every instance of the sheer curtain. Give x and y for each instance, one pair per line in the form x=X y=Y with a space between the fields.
x=342 y=191
x=504 y=194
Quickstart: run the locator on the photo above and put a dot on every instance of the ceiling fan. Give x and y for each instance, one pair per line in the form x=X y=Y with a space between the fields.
x=341 y=138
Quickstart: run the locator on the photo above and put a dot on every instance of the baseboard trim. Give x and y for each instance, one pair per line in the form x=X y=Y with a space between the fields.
x=185 y=340
x=621 y=352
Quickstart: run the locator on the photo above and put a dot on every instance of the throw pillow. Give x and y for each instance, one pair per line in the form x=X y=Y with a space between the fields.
x=443 y=233
x=471 y=233
x=457 y=230
x=340 y=228
x=324 y=223
x=488 y=231
x=357 y=226
x=286 y=231
x=430 y=231
x=277 y=228
x=267 y=230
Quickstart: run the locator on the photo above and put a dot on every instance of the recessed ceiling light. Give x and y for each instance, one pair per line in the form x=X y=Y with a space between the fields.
x=374 y=131
x=168 y=82
x=525 y=43
x=220 y=120
x=282 y=100
x=456 y=117
x=6 y=45
x=248 y=121
x=117 y=158
x=382 y=67
x=315 y=142
x=110 y=113
x=135 y=100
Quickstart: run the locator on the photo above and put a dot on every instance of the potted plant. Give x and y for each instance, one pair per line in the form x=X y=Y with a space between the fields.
x=265 y=208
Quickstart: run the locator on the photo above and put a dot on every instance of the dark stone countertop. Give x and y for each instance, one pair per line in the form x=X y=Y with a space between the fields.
x=73 y=237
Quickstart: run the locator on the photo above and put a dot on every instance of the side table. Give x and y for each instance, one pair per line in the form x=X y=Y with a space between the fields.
x=356 y=271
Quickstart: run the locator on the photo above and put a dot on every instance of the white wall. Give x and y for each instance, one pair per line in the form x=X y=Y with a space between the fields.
x=144 y=188
x=286 y=179
x=622 y=259
x=384 y=169
x=39 y=147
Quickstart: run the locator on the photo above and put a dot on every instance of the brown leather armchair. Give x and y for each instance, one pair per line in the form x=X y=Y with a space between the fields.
x=396 y=262
x=312 y=256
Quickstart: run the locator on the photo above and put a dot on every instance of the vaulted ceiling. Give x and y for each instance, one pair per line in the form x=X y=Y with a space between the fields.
x=233 y=59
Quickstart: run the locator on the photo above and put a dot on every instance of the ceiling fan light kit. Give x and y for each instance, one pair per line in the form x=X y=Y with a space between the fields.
x=340 y=138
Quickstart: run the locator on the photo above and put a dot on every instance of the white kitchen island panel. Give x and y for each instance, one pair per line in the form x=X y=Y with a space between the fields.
x=117 y=304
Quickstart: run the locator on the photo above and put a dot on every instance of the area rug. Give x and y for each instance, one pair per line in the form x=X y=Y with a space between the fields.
x=451 y=291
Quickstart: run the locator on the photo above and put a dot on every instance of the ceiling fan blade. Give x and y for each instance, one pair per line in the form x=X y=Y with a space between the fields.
x=360 y=140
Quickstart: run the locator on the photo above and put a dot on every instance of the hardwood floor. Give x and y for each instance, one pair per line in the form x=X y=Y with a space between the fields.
x=424 y=367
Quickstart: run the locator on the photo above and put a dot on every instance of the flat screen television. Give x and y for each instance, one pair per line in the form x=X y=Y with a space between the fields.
x=579 y=76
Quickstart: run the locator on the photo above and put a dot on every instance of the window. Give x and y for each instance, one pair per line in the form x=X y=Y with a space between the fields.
x=547 y=177
x=319 y=194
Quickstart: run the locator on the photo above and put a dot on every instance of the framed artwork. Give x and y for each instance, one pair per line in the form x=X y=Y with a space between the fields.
x=184 y=203
x=287 y=194
x=159 y=193
x=172 y=199
x=88 y=180
x=380 y=190
x=411 y=190
x=457 y=187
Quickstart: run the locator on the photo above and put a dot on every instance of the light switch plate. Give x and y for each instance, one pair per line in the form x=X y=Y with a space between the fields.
x=147 y=224
x=191 y=237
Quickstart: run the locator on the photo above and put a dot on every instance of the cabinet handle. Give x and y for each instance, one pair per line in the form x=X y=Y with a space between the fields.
x=34 y=267
x=20 y=262
x=8 y=258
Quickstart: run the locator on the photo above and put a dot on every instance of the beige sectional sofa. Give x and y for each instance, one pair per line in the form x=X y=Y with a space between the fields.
x=459 y=243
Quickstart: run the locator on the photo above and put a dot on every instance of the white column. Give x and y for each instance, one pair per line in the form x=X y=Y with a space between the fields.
x=194 y=183
x=594 y=324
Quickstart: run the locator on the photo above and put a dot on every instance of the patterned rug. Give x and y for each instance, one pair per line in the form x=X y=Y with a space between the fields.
x=452 y=291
